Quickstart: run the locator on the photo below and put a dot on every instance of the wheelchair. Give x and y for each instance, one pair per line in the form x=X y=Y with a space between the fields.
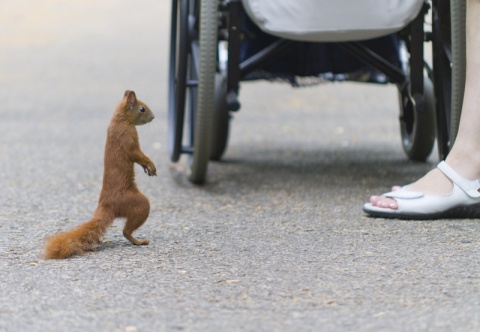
x=216 y=44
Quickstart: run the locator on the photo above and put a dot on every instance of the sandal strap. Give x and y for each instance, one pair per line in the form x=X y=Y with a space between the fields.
x=470 y=187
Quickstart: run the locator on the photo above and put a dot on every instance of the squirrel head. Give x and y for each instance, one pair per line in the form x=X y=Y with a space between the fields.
x=135 y=111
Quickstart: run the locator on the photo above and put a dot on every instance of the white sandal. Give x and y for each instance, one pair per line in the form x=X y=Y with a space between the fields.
x=462 y=202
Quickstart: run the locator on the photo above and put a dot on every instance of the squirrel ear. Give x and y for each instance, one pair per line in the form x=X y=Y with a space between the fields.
x=131 y=98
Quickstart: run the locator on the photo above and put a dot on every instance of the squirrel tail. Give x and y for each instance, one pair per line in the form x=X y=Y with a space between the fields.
x=79 y=239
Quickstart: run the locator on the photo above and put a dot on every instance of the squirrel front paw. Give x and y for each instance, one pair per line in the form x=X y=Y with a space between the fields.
x=150 y=169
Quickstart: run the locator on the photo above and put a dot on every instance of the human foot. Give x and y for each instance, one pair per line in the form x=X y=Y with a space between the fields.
x=466 y=163
x=440 y=193
x=433 y=183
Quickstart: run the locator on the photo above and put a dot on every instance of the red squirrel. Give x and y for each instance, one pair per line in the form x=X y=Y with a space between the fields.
x=119 y=197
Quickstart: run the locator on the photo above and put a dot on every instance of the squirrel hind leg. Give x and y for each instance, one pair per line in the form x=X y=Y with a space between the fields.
x=134 y=240
x=132 y=223
x=136 y=217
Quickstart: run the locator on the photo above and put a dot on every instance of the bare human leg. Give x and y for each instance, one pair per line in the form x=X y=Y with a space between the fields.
x=464 y=156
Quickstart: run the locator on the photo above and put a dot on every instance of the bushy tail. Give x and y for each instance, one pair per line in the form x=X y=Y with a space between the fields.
x=79 y=239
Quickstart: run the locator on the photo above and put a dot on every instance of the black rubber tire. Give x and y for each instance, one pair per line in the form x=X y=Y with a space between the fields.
x=442 y=72
x=417 y=127
x=205 y=104
x=179 y=46
x=221 y=119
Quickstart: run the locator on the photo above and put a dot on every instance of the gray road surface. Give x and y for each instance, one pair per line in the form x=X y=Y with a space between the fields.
x=276 y=241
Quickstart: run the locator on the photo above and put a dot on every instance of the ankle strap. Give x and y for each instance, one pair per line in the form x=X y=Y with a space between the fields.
x=470 y=187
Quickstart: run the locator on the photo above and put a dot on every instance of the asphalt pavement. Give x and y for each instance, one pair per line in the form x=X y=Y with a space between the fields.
x=274 y=241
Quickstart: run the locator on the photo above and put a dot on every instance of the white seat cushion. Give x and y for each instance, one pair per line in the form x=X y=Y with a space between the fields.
x=331 y=20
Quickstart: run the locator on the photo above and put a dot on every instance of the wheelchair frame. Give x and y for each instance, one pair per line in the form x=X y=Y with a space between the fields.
x=211 y=97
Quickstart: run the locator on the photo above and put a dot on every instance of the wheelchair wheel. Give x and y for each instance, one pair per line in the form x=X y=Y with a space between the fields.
x=417 y=123
x=221 y=120
x=193 y=61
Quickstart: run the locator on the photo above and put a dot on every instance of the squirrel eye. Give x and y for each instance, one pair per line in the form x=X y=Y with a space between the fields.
x=142 y=109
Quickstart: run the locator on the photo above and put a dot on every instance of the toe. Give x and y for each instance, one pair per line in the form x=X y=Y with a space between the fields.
x=389 y=203
x=384 y=202
x=374 y=199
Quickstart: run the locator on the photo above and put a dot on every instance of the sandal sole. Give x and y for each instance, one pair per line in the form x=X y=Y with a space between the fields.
x=459 y=212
